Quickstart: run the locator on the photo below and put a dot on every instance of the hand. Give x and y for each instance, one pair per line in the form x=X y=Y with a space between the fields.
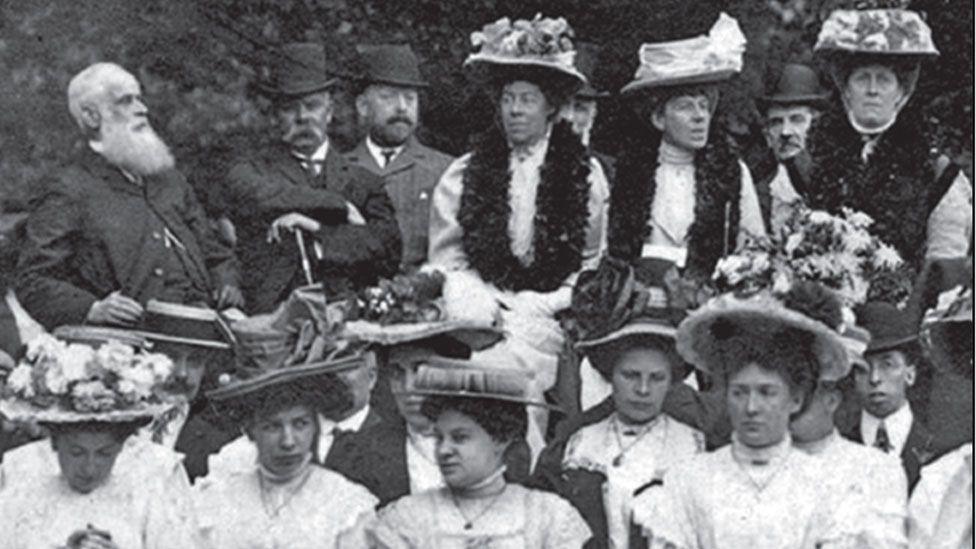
x=289 y=222
x=115 y=309
x=91 y=538
x=230 y=296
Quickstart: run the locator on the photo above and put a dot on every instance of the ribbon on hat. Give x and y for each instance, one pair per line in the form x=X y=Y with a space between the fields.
x=721 y=50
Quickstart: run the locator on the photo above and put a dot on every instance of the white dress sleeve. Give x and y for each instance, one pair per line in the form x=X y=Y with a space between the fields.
x=950 y=225
x=750 y=215
x=445 y=250
x=669 y=522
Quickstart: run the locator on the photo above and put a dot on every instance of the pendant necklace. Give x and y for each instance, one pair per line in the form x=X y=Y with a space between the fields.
x=619 y=459
x=469 y=521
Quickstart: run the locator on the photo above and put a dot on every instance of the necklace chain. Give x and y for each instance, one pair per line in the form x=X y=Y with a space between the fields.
x=620 y=442
x=269 y=508
x=469 y=521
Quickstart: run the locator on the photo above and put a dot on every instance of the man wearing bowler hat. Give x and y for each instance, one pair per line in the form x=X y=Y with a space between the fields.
x=581 y=110
x=301 y=187
x=787 y=115
x=388 y=105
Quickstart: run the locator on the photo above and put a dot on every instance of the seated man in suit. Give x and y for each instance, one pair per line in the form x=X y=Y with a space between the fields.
x=305 y=185
x=893 y=363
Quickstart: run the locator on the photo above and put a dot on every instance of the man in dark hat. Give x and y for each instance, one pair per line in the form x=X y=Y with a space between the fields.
x=388 y=105
x=787 y=114
x=303 y=186
x=582 y=108
x=120 y=225
x=893 y=363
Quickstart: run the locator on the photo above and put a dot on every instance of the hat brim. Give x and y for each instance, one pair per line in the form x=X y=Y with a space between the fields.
x=882 y=345
x=760 y=315
x=484 y=396
x=811 y=99
x=491 y=64
x=280 y=376
x=276 y=92
x=476 y=336
x=405 y=83
x=628 y=330
x=21 y=411
x=589 y=92
x=918 y=55
x=637 y=86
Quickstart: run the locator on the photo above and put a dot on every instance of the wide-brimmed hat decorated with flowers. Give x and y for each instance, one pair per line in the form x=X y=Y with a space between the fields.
x=62 y=382
x=441 y=376
x=807 y=307
x=541 y=44
x=699 y=60
x=876 y=32
x=412 y=308
x=947 y=329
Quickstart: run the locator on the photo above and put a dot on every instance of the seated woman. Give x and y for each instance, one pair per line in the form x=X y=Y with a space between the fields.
x=92 y=402
x=681 y=193
x=600 y=466
x=286 y=499
x=758 y=492
x=524 y=211
x=477 y=413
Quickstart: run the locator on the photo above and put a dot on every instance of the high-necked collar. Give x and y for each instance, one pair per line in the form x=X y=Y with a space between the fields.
x=535 y=151
x=817 y=447
x=671 y=154
x=761 y=457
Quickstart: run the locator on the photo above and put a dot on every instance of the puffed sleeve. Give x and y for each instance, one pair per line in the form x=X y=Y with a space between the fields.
x=397 y=526
x=171 y=520
x=950 y=225
x=445 y=249
x=564 y=526
x=668 y=522
x=750 y=214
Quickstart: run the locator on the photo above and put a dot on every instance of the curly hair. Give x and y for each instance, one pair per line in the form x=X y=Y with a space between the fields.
x=119 y=430
x=604 y=357
x=325 y=394
x=504 y=421
x=788 y=352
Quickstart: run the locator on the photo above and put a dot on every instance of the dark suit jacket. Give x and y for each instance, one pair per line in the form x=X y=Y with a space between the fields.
x=202 y=435
x=258 y=190
x=921 y=448
x=376 y=457
x=95 y=232
x=410 y=180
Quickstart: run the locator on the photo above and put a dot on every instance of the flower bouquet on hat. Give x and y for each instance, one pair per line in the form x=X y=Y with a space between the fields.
x=421 y=305
x=61 y=382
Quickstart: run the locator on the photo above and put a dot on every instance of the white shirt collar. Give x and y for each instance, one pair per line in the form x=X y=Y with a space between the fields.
x=355 y=421
x=327 y=428
x=897 y=425
x=377 y=152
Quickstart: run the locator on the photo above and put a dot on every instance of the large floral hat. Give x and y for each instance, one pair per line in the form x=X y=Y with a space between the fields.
x=885 y=32
x=62 y=382
x=697 y=60
x=947 y=330
x=441 y=376
x=421 y=306
x=544 y=44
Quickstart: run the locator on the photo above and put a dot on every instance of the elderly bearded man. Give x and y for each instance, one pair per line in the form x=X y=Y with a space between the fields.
x=303 y=184
x=120 y=225
x=388 y=103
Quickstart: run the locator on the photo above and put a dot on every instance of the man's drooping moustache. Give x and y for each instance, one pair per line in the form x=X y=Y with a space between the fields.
x=137 y=149
x=390 y=134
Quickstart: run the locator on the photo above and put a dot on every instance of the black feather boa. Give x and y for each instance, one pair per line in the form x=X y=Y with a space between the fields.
x=718 y=184
x=561 y=219
x=896 y=187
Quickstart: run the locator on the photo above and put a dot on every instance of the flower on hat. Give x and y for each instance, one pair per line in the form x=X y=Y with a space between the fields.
x=539 y=37
x=404 y=298
x=884 y=31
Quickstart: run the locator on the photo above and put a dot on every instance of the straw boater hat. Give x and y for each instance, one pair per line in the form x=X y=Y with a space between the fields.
x=699 y=60
x=612 y=304
x=542 y=45
x=113 y=381
x=470 y=379
x=298 y=69
x=700 y=336
x=392 y=64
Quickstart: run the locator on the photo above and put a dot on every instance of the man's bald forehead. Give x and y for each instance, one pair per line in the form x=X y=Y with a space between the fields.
x=94 y=82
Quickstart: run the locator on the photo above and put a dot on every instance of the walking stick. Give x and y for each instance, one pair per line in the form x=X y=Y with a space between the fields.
x=306 y=264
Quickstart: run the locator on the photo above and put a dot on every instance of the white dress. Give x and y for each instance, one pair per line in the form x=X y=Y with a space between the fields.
x=520 y=518
x=941 y=508
x=321 y=511
x=139 y=505
x=737 y=497
x=645 y=457
x=875 y=477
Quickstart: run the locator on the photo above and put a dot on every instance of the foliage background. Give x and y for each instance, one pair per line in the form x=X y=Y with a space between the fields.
x=198 y=59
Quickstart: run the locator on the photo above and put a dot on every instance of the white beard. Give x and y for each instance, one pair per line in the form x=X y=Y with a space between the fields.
x=140 y=152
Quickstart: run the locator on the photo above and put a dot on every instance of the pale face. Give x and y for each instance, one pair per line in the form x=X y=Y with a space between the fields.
x=86 y=458
x=817 y=421
x=390 y=112
x=122 y=103
x=760 y=405
x=466 y=453
x=303 y=121
x=284 y=439
x=640 y=381
x=786 y=129
x=580 y=113
x=403 y=362
x=360 y=382
x=874 y=95
x=684 y=121
x=525 y=113
x=883 y=383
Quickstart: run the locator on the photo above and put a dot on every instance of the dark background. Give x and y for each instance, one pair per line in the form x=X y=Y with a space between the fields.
x=197 y=61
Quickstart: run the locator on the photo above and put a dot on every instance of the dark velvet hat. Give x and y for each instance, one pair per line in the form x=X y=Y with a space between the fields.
x=890 y=326
x=797 y=85
x=298 y=69
x=394 y=64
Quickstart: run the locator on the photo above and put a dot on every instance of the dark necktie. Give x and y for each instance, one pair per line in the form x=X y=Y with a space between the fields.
x=881 y=441
x=388 y=155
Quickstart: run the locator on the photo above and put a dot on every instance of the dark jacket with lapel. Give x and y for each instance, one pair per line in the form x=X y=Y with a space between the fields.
x=202 y=435
x=410 y=180
x=376 y=457
x=95 y=232
x=259 y=190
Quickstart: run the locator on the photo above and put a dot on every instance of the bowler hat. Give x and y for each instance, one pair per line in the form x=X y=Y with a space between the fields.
x=393 y=64
x=798 y=84
x=298 y=69
x=587 y=56
x=890 y=326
